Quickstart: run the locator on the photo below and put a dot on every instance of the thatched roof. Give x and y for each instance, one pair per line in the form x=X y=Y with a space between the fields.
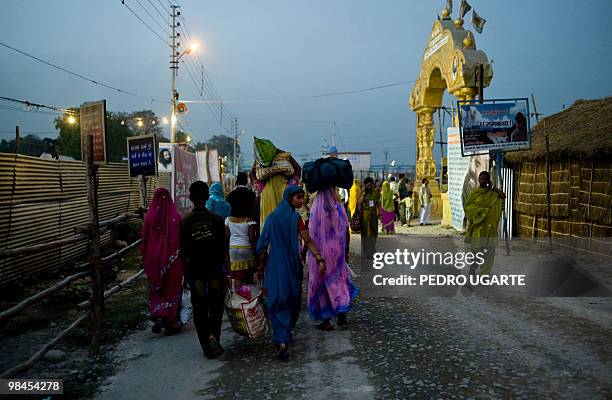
x=582 y=131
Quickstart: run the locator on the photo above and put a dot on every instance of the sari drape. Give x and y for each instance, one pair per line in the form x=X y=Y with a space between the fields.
x=333 y=293
x=387 y=212
x=271 y=196
x=160 y=246
x=483 y=212
x=216 y=202
x=284 y=273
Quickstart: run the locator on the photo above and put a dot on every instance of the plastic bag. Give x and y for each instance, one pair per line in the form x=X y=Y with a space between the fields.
x=248 y=318
x=186 y=307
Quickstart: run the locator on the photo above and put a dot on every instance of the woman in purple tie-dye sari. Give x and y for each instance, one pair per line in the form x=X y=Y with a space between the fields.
x=330 y=295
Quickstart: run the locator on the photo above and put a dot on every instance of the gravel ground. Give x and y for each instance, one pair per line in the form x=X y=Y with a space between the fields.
x=466 y=346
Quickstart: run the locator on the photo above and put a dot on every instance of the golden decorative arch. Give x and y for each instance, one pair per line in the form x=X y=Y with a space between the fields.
x=450 y=62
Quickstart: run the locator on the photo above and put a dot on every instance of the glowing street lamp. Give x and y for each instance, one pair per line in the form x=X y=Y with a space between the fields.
x=71 y=120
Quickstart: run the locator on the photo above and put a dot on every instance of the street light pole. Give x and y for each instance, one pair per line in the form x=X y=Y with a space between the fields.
x=174 y=69
x=236 y=135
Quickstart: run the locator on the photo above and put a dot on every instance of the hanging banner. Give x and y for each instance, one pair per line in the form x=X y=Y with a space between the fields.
x=93 y=123
x=494 y=125
x=142 y=155
x=184 y=173
x=209 y=170
x=165 y=157
x=462 y=176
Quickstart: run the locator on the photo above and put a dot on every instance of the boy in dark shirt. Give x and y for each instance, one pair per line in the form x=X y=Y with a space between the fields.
x=204 y=253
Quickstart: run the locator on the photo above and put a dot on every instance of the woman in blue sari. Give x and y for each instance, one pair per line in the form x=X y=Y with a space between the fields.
x=216 y=202
x=284 y=273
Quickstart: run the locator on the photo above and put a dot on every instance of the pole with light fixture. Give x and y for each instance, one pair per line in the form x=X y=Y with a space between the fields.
x=176 y=56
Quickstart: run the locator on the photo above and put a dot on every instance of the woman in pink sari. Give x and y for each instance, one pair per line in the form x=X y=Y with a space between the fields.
x=159 y=248
x=329 y=295
x=387 y=208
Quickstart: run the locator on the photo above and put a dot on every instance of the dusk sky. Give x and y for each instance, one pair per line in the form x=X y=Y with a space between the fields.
x=265 y=57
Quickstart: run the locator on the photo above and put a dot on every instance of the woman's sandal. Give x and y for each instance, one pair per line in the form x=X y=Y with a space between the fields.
x=283 y=351
x=157 y=326
x=325 y=326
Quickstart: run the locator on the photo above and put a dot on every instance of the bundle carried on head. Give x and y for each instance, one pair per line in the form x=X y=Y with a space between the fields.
x=265 y=151
x=271 y=161
x=327 y=172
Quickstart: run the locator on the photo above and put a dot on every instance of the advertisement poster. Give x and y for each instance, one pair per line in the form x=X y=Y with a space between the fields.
x=210 y=170
x=494 y=125
x=185 y=172
x=164 y=157
x=462 y=176
x=142 y=154
x=93 y=123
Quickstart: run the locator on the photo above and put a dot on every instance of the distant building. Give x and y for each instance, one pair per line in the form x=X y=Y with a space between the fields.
x=360 y=160
x=47 y=156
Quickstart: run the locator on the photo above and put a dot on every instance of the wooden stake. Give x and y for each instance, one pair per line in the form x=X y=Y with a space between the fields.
x=11 y=312
x=548 y=177
x=16 y=139
x=40 y=353
x=97 y=299
x=120 y=286
x=143 y=191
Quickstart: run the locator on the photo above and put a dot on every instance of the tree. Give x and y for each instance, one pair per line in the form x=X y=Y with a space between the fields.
x=69 y=138
x=119 y=126
x=144 y=122
x=224 y=144
x=29 y=145
x=117 y=133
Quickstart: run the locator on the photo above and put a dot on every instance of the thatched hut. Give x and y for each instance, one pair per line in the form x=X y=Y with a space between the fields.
x=580 y=154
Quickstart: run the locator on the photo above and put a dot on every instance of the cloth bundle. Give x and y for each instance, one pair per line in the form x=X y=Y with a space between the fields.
x=281 y=165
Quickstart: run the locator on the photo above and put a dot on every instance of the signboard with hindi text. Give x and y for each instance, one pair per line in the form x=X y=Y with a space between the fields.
x=142 y=155
x=93 y=123
x=494 y=125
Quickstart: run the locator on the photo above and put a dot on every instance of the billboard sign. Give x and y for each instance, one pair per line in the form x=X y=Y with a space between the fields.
x=494 y=125
x=93 y=123
x=142 y=155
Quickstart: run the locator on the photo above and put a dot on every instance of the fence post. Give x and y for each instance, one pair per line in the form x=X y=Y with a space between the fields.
x=17 y=138
x=97 y=299
x=143 y=191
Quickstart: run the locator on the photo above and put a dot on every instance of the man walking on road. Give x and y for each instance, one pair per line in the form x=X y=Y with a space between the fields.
x=425 y=200
x=204 y=253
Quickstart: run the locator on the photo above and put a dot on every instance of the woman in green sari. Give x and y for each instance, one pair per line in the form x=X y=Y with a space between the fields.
x=370 y=203
x=483 y=210
x=387 y=208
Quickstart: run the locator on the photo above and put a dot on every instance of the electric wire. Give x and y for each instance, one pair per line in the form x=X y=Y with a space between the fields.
x=119 y=90
x=146 y=10
x=30 y=104
x=163 y=17
x=214 y=95
x=144 y=23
